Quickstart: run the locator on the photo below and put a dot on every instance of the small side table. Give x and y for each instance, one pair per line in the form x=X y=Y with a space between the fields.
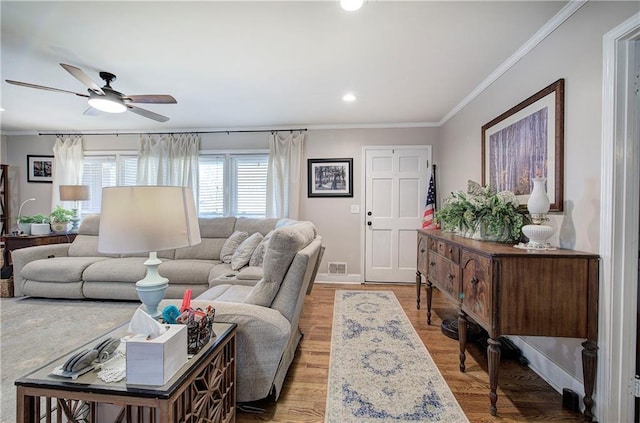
x=23 y=241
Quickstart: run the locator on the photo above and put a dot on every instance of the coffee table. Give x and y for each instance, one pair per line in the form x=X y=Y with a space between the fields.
x=204 y=389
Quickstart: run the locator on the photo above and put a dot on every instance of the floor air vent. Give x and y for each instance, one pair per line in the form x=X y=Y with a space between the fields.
x=337 y=268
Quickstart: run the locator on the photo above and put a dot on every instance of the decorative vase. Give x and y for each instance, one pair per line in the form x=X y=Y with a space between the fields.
x=538 y=204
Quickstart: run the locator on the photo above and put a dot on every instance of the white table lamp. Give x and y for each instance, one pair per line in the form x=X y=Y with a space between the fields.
x=74 y=193
x=538 y=206
x=147 y=219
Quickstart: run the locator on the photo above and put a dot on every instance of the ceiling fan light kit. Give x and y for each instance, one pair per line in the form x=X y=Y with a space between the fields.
x=107 y=103
x=106 y=99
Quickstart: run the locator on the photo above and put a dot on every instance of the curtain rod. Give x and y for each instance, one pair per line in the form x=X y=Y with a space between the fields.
x=292 y=130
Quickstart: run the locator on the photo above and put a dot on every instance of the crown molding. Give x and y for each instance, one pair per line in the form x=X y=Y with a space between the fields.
x=565 y=13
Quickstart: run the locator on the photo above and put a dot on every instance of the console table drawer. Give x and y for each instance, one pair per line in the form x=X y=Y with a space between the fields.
x=445 y=275
x=450 y=251
x=477 y=298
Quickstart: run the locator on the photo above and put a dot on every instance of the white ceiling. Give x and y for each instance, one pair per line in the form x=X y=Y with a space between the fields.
x=264 y=64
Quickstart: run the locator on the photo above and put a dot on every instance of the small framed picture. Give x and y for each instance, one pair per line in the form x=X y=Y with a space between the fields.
x=39 y=168
x=330 y=178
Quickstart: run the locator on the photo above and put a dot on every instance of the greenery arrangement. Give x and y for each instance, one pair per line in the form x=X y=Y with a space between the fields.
x=61 y=215
x=481 y=213
x=34 y=218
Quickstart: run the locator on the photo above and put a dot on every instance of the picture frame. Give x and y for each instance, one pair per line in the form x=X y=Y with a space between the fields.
x=330 y=177
x=39 y=168
x=527 y=141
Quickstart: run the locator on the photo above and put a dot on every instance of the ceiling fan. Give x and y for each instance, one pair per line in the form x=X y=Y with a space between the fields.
x=106 y=99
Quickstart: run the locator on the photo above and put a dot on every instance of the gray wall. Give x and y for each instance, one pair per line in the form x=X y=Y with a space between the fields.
x=340 y=229
x=573 y=52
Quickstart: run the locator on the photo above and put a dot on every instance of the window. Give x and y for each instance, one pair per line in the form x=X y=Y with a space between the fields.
x=229 y=184
x=233 y=185
x=106 y=171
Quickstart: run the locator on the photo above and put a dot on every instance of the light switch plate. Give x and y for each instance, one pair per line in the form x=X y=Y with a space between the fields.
x=355 y=208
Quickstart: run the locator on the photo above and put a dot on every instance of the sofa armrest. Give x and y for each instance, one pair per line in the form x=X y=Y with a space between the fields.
x=23 y=256
x=262 y=336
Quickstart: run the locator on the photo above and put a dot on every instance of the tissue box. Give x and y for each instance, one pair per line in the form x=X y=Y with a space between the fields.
x=155 y=361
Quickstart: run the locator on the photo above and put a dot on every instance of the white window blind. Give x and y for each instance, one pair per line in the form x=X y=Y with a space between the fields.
x=211 y=186
x=229 y=184
x=233 y=185
x=249 y=177
x=106 y=171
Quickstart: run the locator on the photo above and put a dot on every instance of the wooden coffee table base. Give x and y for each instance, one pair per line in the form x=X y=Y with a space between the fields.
x=208 y=393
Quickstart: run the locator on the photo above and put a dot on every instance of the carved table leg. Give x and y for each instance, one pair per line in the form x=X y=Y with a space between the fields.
x=493 y=354
x=462 y=338
x=418 y=286
x=429 y=297
x=589 y=364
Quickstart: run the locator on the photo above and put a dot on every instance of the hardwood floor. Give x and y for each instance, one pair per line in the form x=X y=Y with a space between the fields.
x=522 y=395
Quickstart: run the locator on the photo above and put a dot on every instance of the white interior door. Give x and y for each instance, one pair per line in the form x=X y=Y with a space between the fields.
x=396 y=181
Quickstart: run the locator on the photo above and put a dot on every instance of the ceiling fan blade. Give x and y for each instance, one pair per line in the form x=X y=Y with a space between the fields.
x=82 y=77
x=42 y=87
x=91 y=112
x=147 y=113
x=151 y=98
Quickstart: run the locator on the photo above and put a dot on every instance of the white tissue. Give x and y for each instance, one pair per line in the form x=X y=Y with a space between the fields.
x=143 y=324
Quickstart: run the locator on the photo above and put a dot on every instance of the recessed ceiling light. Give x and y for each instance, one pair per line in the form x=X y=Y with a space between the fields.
x=349 y=97
x=351 y=5
x=1 y=109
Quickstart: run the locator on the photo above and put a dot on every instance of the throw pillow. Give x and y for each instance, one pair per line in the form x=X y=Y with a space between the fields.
x=242 y=255
x=258 y=254
x=231 y=244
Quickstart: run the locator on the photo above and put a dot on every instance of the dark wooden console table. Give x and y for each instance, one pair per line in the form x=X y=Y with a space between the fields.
x=511 y=291
x=23 y=241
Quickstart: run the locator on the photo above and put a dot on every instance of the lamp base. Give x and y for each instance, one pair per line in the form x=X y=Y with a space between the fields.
x=151 y=296
x=152 y=288
x=538 y=235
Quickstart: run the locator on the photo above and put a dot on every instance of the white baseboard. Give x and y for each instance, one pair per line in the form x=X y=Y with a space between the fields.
x=325 y=277
x=553 y=374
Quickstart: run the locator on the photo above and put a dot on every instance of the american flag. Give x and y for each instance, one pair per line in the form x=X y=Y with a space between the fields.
x=427 y=219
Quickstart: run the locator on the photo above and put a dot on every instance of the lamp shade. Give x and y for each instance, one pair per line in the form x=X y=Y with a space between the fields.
x=74 y=192
x=138 y=219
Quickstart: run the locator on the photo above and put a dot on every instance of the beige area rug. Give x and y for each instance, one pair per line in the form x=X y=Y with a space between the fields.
x=380 y=371
x=35 y=331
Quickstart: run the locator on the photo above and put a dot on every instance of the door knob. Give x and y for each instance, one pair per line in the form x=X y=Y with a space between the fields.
x=369 y=223
x=368 y=213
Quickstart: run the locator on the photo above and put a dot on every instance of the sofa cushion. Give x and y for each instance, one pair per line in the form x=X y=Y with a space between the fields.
x=185 y=271
x=242 y=255
x=86 y=246
x=226 y=292
x=217 y=227
x=257 y=258
x=250 y=273
x=285 y=242
x=58 y=269
x=231 y=244
x=250 y=225
x=207 y=249
x=126 y=269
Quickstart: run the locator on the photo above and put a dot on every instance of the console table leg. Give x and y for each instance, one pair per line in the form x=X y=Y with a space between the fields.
x=493 y=354
x=589 y=364
x=418 y=286
x=429 y=297
x=462 y=338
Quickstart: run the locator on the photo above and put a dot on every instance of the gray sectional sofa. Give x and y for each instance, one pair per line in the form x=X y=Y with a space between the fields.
x=265 y=301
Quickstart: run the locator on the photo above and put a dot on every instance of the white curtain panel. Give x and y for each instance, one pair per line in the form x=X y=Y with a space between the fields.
x=68 y=156
x=166 y=159
x=283 y=178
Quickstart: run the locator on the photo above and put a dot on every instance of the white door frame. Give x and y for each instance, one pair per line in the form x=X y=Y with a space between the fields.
x=363 y=190
x=619 y=189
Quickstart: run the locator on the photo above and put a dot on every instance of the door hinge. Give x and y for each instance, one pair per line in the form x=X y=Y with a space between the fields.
x=636 y=387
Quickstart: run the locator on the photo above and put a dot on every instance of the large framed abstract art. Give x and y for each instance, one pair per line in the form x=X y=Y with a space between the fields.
x=525 y=142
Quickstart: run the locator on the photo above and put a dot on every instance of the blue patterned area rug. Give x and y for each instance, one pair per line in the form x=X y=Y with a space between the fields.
x=380 y=370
